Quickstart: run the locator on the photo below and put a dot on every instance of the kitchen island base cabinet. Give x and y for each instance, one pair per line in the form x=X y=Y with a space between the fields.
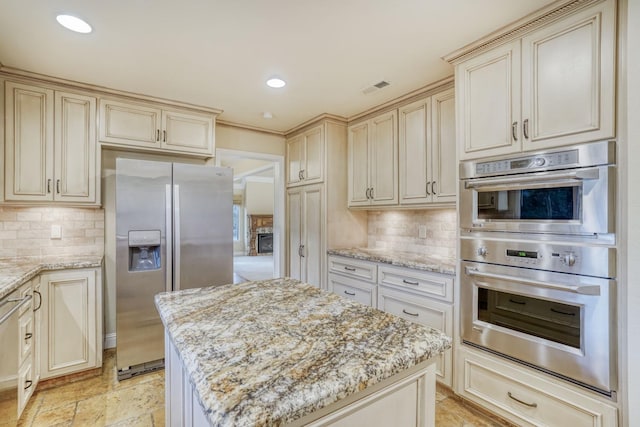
x=406 y=399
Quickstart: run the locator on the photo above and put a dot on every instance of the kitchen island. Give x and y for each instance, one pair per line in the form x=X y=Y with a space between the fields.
x=280 y=352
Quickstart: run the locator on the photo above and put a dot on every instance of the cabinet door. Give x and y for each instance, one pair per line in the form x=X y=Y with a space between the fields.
x=294 y=239
x=313 y=167
x=488 y=105
x=295 y=149
x=129 y=124
x=75 y=148
x=443 y=147
x=358 y=177
x=568 y=80
x=71 y=340
x=414 y=156
x=187 y=132
x=312 y=236
x=383 y=167
x=28 y=143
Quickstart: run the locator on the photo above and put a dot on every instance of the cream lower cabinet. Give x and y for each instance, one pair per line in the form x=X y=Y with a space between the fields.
x=427 y=150
x=50 y=146
x=373 y=161
x=526 y=398
x=156 y=127
x=353 y=279
x=421 y=297
x=553 y=86
x=71 y=329
x=305 y=225
x=27 y=339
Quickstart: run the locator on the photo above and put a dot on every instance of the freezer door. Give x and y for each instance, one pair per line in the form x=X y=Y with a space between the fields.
x=143 y=208
x=203 y=226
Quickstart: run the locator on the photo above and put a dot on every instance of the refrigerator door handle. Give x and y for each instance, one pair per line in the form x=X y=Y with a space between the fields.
x=168 y=238
x=176 y=237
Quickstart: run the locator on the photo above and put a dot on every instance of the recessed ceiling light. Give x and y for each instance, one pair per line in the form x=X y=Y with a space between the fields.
x=267 y=115
x=73 y=23
x=276 y=82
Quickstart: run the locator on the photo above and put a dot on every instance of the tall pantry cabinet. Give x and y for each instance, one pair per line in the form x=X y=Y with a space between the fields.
x=317 y=214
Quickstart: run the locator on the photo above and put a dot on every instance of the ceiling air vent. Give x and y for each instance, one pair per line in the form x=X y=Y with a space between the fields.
x=374 y=87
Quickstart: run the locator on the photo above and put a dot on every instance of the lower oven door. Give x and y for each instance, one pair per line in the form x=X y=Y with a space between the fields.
x=560 y=323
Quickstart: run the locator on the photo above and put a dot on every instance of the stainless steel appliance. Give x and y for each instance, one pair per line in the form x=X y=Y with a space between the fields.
x=568 y=191
x=10 y=399
x=173 y=231
x=549 y=305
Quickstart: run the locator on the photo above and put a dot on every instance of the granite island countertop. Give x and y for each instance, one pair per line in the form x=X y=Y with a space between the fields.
x=14 y=272
x=414 y=260
x=270 y=352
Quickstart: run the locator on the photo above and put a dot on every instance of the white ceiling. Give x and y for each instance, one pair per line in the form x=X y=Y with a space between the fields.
x=218 y=53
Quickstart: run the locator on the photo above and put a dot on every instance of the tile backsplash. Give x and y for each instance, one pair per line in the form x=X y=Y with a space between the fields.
x=26 y=231
x=399 y=230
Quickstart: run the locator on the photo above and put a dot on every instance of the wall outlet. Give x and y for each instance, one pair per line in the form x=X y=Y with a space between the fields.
x=56 y=231
x=422 y=231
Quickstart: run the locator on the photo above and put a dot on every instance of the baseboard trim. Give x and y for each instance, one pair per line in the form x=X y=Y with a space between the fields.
x=110 y=340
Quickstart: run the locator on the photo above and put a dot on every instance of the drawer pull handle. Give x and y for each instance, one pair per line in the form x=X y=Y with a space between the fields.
x=409 y=282
x=410 y=313
x=28 y=336
x=350 y=268
x=39 y=300
x=349 y=293
x=562 y=312
x=28 y=383
x=157 y=134
x=517 y=302
x=514 y=129
x=48 y=186
x=58 y=186
x=530 y=405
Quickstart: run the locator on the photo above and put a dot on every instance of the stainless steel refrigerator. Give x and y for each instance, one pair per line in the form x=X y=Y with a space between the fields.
x=173 y=231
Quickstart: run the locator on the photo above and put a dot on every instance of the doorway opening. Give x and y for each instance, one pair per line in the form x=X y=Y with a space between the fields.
x=258 y=213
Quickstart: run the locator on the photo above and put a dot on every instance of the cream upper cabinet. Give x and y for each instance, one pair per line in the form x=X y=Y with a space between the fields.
x=305 y=157
x=553 y=86
x=149 y=126
x=427 y=156
x=50 y=146
x=488 y=108
x=373 y=161
x=568 y=80
x=71 y=328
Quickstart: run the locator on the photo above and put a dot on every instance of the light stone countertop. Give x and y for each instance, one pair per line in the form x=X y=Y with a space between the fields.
x=14 y=272
x=269 y=352
x=414 y=260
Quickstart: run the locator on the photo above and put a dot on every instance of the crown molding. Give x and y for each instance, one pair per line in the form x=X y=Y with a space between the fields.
x=249 y=127
x=325 y=117
x=517 y=29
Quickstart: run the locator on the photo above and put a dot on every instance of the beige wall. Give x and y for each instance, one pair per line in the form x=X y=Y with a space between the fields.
x=234 y=138
x=258 y=198
x=399 y=230
x=26 y=231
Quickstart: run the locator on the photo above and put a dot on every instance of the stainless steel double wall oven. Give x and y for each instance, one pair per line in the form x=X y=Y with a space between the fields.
x=539 y=261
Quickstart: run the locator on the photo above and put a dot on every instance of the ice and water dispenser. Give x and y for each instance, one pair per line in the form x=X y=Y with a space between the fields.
x=144 y=250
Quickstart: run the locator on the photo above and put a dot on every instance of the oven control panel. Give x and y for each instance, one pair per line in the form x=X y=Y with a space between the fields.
x=546 y=161
x=596 y=261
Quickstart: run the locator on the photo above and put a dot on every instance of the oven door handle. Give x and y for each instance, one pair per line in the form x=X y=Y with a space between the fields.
x=583 y=290
x=571 y=178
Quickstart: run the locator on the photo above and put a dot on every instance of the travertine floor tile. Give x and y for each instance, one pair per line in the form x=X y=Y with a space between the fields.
x=102 y=401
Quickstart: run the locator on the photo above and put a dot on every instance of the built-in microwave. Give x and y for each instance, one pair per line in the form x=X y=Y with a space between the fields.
x=567 y=191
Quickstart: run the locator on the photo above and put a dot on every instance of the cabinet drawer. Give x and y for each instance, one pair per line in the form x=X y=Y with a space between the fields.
x=356 y=290
x=25 y=335
x=425 y=311
x=527 y=399
x=25 y=384
x=353 y=268
x=433 y=285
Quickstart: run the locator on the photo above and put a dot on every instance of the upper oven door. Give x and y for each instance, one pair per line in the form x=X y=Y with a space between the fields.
x=561 y=323
x=574 y=201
